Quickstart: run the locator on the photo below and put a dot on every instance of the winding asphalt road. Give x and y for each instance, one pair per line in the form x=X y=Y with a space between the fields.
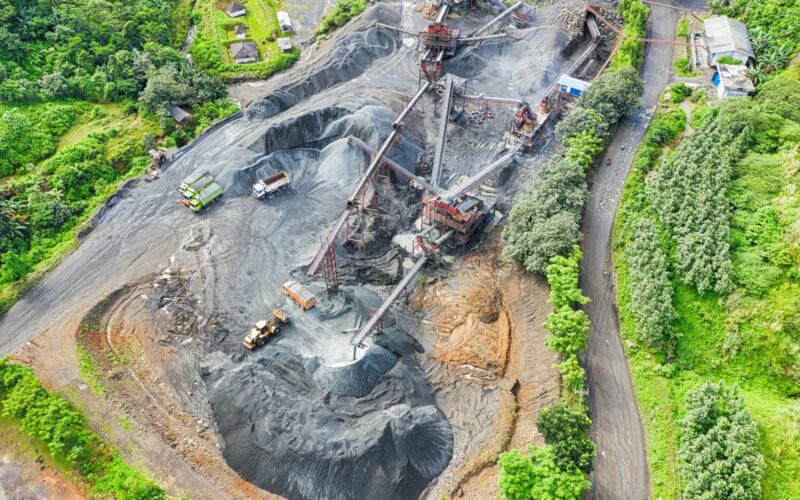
x=620 y=470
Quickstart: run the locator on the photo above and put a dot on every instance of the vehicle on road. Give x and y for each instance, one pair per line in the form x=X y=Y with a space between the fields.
x=271 y=185
x=265 y=328
x=204 y=198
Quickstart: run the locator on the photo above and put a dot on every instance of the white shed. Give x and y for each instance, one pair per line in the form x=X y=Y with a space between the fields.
x=573 y=86
x=727 y=37
x=284 y=21
x=733 y=81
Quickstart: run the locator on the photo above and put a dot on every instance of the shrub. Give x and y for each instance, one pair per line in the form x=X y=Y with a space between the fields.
x=566 y=428
x=679 y=91
x=537 y=475
x=339 y=14
x=682 y=66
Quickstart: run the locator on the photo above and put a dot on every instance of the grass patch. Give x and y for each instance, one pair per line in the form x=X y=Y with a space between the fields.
x=215 y=32
x=88 y=370
x=67 y=437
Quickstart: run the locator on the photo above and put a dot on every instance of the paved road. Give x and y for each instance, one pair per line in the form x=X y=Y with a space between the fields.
x=621 y=470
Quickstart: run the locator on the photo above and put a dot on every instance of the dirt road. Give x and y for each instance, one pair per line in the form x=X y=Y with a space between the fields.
x=621 y=470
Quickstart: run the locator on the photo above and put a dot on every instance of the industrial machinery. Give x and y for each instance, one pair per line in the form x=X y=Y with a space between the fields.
x=271 y=185
x=438 y=41
x=524 y=126
x=264 y=329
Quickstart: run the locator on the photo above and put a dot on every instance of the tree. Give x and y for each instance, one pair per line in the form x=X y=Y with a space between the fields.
x=545 y=222
x=614 y=95
x=537 y=476
x=54 y=86
x=718 y=449
x=651 y=289
x=163 y=89
x=566 y=428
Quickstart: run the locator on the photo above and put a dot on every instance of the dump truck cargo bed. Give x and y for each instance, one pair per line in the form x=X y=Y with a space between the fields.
x=300 y=294
x=271 y=185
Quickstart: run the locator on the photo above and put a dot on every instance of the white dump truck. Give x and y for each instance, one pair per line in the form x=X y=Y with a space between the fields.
x=271 y=185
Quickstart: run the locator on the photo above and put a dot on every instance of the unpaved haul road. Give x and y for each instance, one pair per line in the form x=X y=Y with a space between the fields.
x=621 y=470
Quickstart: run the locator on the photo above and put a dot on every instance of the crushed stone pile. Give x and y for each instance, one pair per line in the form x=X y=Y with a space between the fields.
x=304 y=430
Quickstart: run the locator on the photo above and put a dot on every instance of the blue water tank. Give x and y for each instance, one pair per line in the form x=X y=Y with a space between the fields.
x=715 y=79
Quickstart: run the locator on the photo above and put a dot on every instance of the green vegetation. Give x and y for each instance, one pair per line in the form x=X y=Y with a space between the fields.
x=215 y=33
x=742 y=207
x=339 y=14
x=718 y=454
x=100 y=52
x=85 y=89
x=682 y=31
x=88 y=370
x=631 y=51
x=682 y=66
x=567 y=326
x=545 y=221
x=537 y=475
x=728 y=60
x=51 y=419
x=772 y=26
x=558 y=469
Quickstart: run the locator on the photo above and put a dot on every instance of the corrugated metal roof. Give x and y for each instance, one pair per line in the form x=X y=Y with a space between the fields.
x=724 y=34
x=734 y=76
x=573 y=82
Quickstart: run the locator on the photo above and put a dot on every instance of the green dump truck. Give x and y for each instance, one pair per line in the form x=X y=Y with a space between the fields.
x=195 y=183
x=204 y=198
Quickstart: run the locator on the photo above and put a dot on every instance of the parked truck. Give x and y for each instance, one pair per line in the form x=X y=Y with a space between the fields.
x=206 y=197
x=195 y=183
x=264 y=329
x=271 y=185
x=300 y=294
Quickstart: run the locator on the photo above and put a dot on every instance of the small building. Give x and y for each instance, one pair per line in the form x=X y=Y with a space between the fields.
x=727 y=37
x=240 y=32
x=284 y=21
x=285 y=44
x=179 y=114
x=236 y=9
x=732 y=81
x=573 y=86
x=244 y=52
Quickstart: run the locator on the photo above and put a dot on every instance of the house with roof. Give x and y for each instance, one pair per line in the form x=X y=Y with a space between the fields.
x=240 y=32
x=179 y=114
x=236 y=9
x=732 y=81
x=285 y=44
x=244 y=52
x=727 y=37
x=284 y=21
